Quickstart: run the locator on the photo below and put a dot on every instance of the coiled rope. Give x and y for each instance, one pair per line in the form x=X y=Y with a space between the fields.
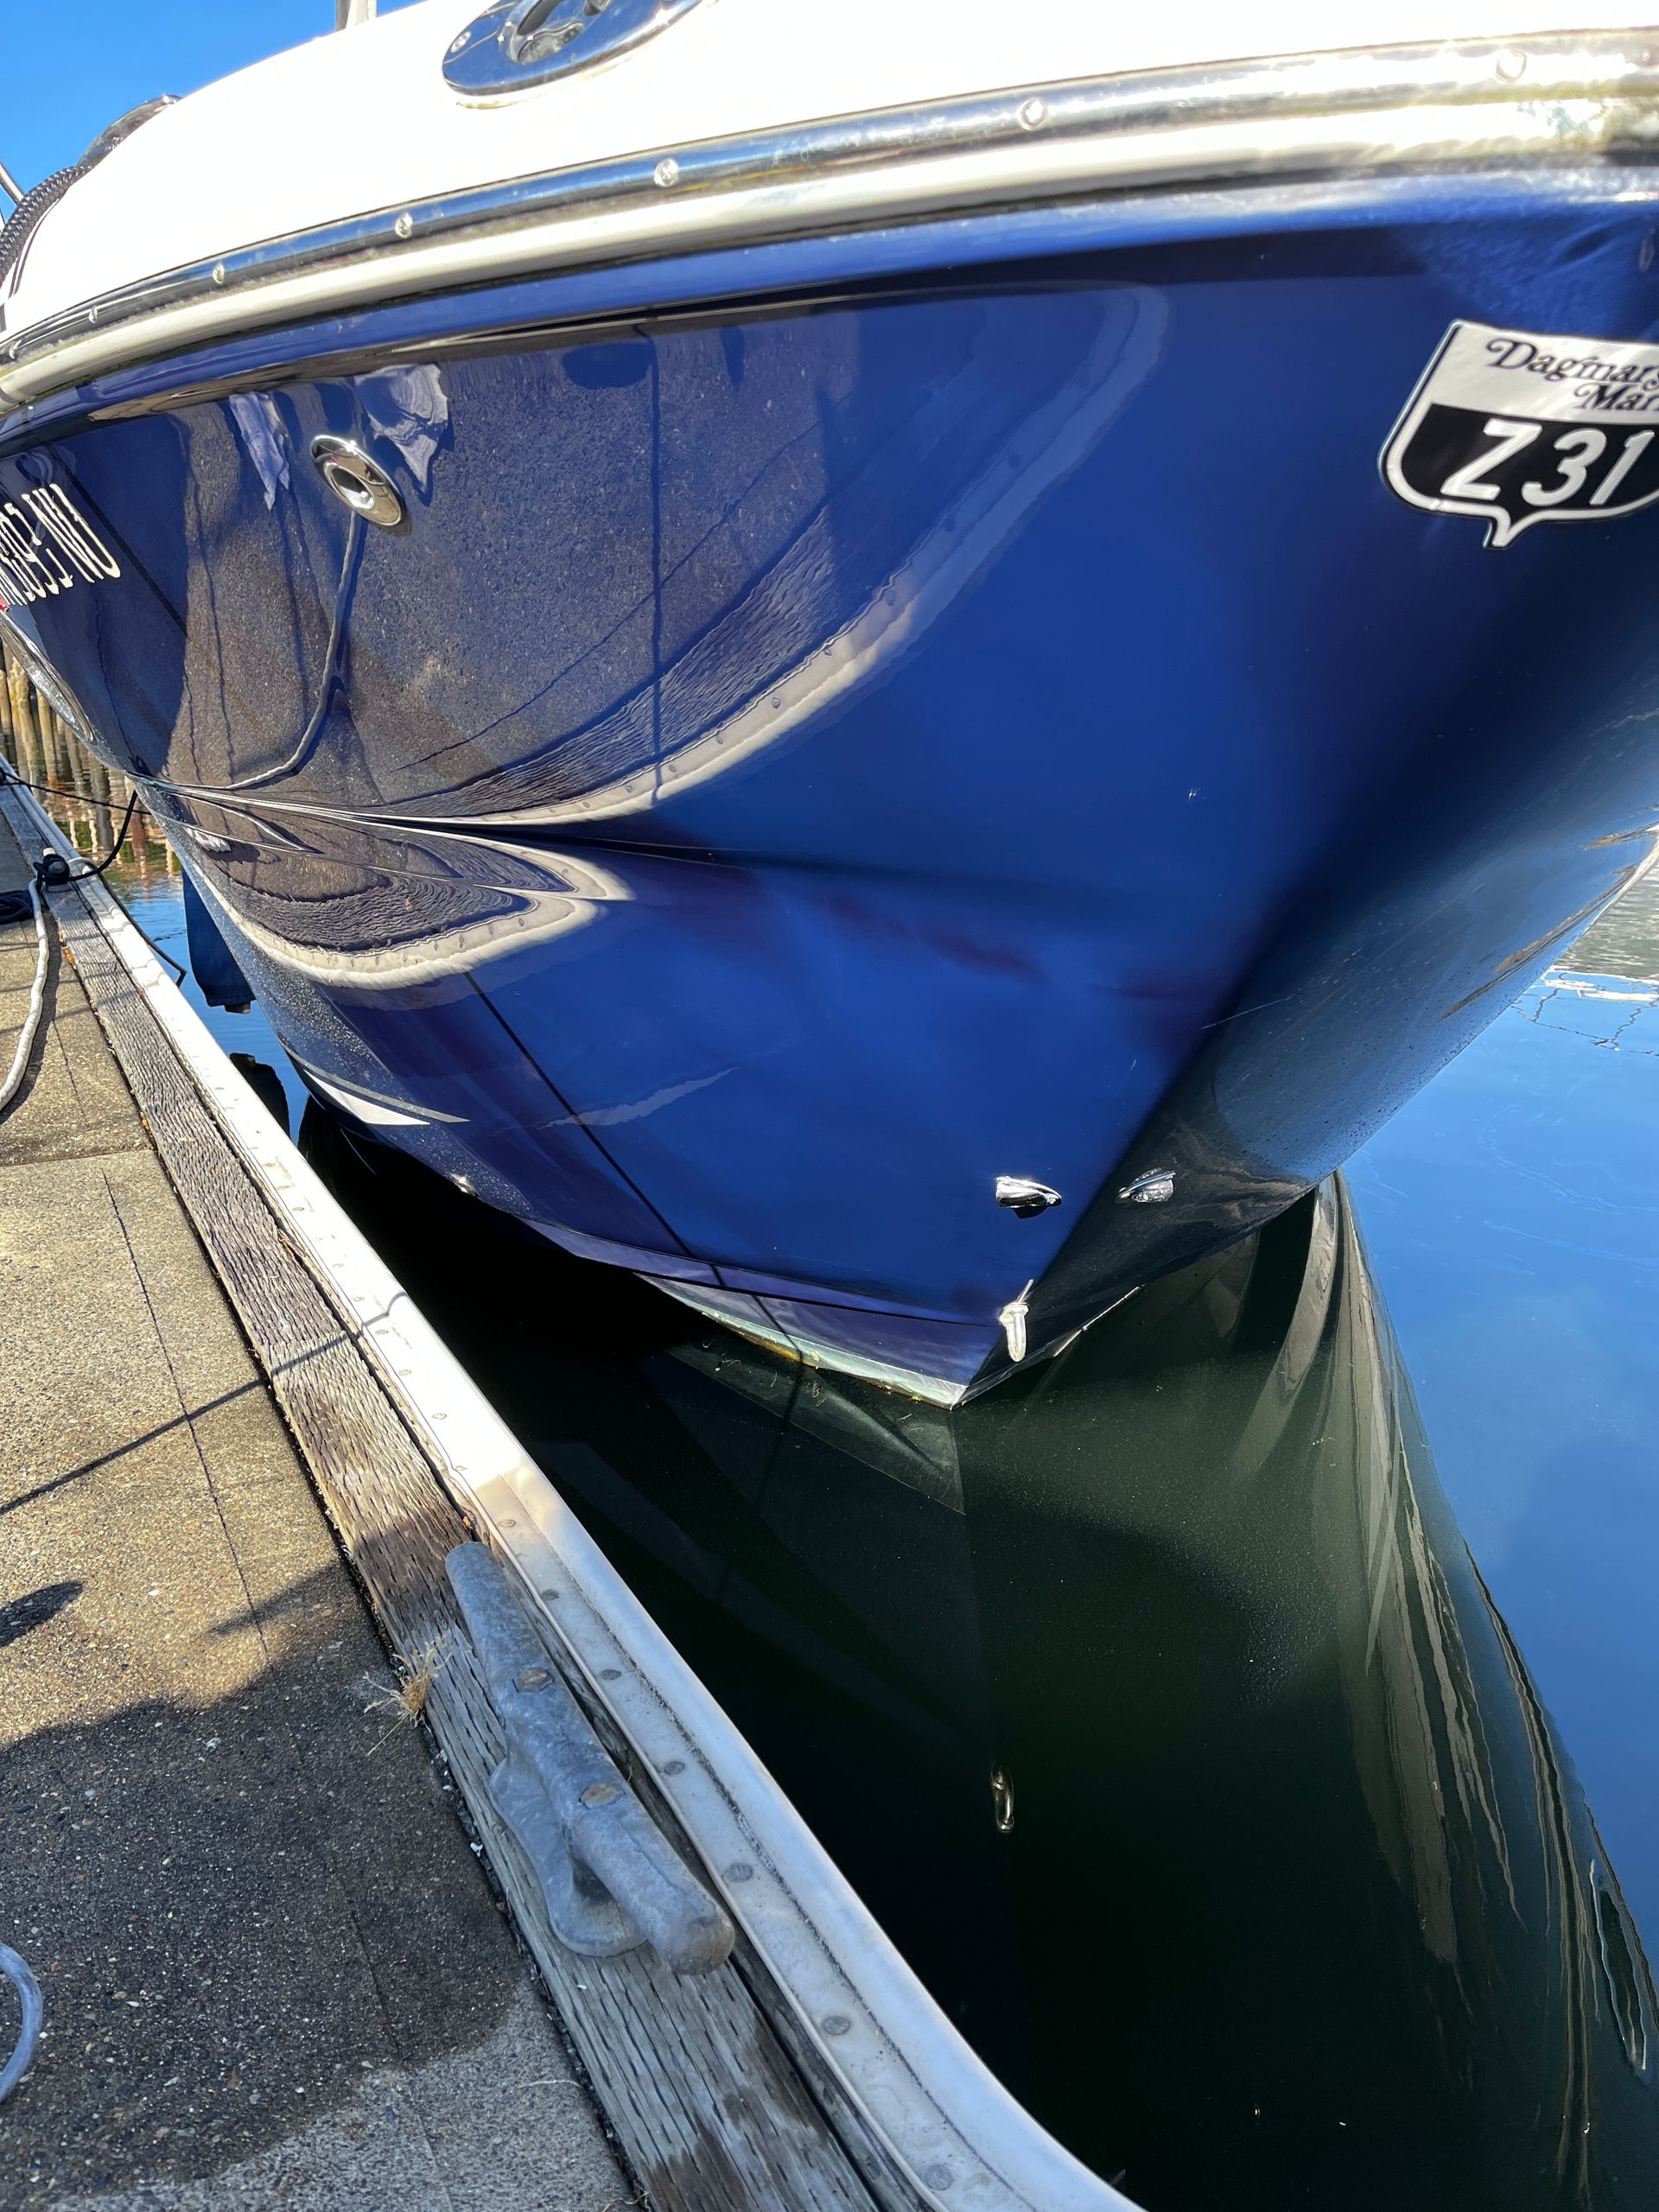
x=16 y=1970
x=50 y=868
x=9 y=1088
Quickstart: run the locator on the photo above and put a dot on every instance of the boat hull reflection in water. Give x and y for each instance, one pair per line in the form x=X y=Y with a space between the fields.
x=1153 y=1703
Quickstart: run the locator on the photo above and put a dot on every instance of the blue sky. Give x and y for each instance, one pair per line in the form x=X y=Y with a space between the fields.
x=70 y=70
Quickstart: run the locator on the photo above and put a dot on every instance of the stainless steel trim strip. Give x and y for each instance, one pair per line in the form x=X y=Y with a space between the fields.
x=1542 y=99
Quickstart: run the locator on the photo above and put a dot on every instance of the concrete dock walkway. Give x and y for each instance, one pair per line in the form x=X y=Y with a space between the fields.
x=274 y=1974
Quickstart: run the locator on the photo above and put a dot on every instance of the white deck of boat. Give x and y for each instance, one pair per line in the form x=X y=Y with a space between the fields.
x=363 y=120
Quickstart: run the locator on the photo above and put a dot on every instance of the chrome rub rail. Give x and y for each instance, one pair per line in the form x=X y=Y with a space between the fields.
x=1553 y=98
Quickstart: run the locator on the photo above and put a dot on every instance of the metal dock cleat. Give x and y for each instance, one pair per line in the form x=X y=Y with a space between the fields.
x=610 y=1878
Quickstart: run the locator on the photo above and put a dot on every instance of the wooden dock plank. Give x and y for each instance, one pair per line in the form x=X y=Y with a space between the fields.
x=715 y=2110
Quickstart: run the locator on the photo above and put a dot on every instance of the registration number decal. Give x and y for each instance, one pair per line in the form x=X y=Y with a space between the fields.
x=1517 y=429
x=46 y=546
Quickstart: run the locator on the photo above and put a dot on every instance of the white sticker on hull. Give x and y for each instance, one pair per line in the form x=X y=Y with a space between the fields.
x=1516 y=428
x=48 y=546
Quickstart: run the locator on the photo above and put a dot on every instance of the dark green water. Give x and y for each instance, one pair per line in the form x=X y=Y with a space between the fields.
x=1246 y=1722
x=1154 y=1704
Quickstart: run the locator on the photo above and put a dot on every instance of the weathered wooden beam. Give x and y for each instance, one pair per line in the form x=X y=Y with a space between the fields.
x=717 y=2110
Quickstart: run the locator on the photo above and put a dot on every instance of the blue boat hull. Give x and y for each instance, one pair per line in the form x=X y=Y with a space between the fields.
x=847 y=722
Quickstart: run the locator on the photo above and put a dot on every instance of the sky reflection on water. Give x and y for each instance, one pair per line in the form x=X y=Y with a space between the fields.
x=1512 y=1212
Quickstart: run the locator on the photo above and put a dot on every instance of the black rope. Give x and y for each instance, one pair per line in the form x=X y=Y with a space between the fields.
x=177 y=966
x=15 y=230
x=52 y=869
x=19 y=226
x=9 y=775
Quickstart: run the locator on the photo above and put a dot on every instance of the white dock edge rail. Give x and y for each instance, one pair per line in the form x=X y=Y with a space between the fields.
x=964 y=2143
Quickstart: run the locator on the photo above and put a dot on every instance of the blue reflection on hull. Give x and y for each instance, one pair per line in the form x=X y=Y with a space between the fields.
x=813 y=754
